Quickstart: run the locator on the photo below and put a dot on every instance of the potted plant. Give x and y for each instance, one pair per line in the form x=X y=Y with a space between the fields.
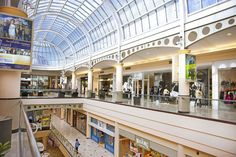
x=4 y=147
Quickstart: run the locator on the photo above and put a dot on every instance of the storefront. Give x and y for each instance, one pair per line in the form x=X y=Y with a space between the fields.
x=135 y=146
x=227 y=87
x=80 y=121
x=146 y=83
x=203 y=84
x=103 y=134
x=83 y=85
x=42 y=118
x=105 y=84
x=223 y=84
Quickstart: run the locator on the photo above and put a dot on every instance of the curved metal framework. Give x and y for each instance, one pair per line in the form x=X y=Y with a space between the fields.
x=84 y=28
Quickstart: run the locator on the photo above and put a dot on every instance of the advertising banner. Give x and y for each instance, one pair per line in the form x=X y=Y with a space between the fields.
x=15 y=42
x=190 y=67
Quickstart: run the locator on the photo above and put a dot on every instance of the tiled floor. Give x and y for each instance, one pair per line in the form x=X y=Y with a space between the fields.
x=54 y=151
x=204 y=111
x=88 y=148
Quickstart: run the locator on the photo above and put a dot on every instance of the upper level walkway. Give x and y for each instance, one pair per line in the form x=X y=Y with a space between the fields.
x=226 y=112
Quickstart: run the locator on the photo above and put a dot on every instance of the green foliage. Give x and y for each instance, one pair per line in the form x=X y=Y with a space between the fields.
x=4 y=148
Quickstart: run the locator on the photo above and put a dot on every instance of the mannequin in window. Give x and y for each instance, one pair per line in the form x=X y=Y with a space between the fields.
x=199 y=96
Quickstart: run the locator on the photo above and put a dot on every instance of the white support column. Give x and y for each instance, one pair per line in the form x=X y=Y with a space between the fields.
x=117 y=95
x=117 y=140
x=90 y=83
x=137 y=89
x=71 y=117
x=119 y=77
x=56 y=82
x=184 y=104
x=88 y=133
x=148 y=85
x=175 y=70
x=142 y=91
x=180 y=151
x=73 y=80
x=62 y=113
x=78 y=79
x=215 y=88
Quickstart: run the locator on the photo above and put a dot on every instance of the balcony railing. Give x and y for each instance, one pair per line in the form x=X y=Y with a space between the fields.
x=215 y=109
x=27 y=142
x=69 y=147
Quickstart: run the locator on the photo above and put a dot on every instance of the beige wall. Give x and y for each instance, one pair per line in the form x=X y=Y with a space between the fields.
x=11 y=108
x=227 y=75
x=205 y=58
x=124 y=146
x=153 y=66
x=10 y=84
x=216 y=56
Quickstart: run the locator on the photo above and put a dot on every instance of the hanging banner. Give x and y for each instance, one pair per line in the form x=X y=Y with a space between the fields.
x=190 y=68
x=15 y=42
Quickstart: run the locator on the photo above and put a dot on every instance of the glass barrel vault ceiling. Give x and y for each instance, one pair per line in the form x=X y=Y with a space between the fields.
x=70 y=30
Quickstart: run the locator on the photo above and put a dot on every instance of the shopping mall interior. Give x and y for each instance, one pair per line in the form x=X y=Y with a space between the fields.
x=117 y=78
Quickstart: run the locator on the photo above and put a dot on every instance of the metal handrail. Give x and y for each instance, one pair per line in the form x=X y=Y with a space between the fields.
x=32 y=141
x=69 y=147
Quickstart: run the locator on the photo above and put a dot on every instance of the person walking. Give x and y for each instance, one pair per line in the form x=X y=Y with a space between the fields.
x=77 y=144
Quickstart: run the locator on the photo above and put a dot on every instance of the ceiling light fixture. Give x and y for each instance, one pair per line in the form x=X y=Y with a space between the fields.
x=229 y=34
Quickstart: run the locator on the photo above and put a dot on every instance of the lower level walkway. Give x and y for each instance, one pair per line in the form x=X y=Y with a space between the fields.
x=88 y=148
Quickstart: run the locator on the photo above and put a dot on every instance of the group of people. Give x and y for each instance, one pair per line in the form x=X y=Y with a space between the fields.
x=164 y=90
x=14 y=51
x=14 y=30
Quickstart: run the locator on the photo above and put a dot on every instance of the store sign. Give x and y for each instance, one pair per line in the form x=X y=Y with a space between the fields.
x=102 y=124
x=138 y=76
x=190 y=67
x=15 y=42
x=142 y=142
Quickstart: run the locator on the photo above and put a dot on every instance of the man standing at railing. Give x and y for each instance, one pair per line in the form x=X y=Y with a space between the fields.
x=77 y=144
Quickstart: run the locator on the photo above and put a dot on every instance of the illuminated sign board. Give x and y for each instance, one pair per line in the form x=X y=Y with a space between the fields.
x=15 y=42
x=190 y=67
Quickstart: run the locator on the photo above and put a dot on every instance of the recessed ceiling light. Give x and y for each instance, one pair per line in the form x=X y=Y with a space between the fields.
x=229 y=34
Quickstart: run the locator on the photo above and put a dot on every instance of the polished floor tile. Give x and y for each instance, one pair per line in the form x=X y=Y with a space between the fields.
x=88 y=148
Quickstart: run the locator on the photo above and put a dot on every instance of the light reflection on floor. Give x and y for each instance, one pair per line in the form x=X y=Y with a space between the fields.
x=88 y=148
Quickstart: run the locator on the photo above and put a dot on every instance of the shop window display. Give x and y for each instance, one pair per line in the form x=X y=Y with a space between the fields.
x=105 y=85
x=127 y=86
x=199 y=90
x=93 y=120
x=109 y=143
x=136 y=151
x=80 y=121
x=42 y=118
x=227 y=86
x=110 y=128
